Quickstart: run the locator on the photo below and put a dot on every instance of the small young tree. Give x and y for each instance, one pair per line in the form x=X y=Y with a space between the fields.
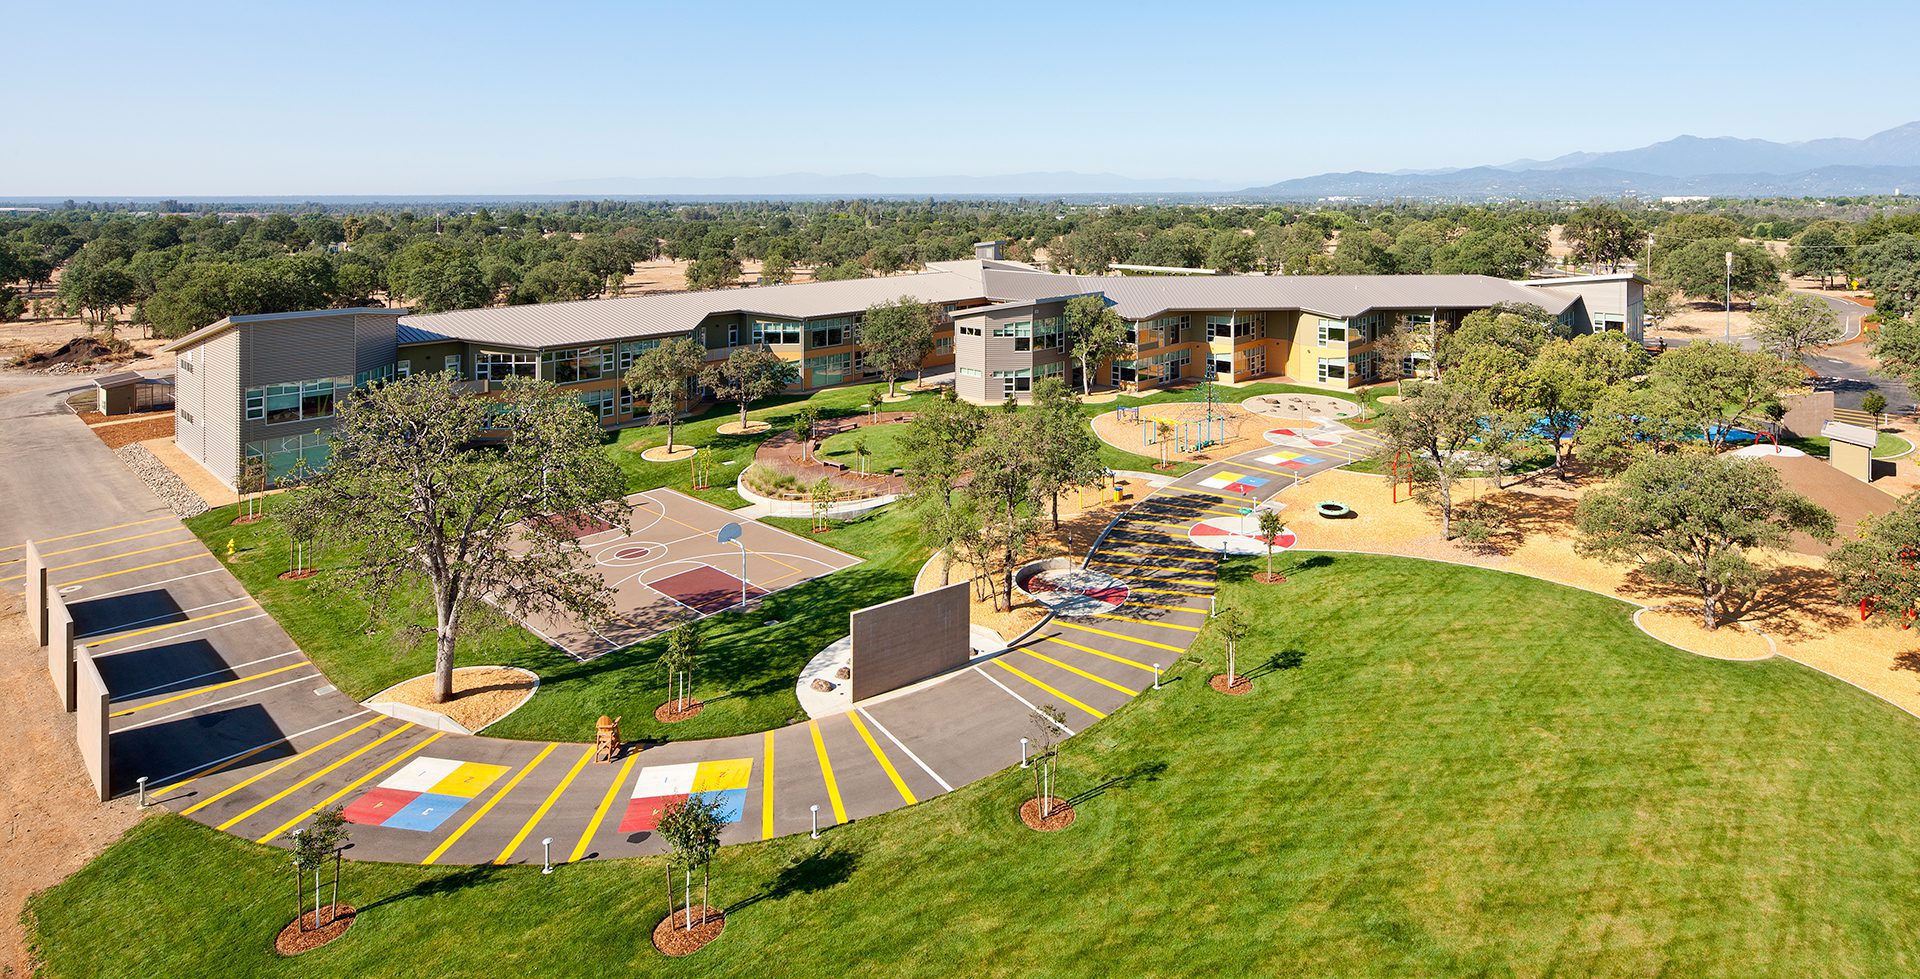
x=1688 y=520
x=860 y=456
x=1233 y=628
x=692 y=826
x=823 y=494
x=681 y=656
x=1162 y=437
x=1875 y=404
x=1438 y=425
x=804 y=422
x=749 y=374
x=875 y=398
x=661 y=376
x=1270 y=528
x=1049 y=729
x=1094 y=333
x=898 y=336
x=1793 y=324
x=314 y=846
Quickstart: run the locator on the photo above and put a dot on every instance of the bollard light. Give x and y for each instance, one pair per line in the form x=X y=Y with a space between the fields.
x=1156 y=676
x=1023 y=752
x=816 y=821
x=546 y=855
x=142 y=783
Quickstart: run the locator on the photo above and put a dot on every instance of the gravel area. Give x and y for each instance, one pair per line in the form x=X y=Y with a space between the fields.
x=481 y=694
x=175 y=493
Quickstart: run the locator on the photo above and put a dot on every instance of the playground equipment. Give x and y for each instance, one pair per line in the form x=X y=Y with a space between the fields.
x=1332 y=510
x=1394 y=477
x=1186 y=435
x=1128 y=415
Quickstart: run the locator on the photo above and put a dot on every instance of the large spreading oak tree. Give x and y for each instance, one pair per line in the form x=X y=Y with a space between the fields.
x=1877 y=570
x=661 y=377
x=427 y=484
x=1094 y=333
x=898 y=336
x=749 y=374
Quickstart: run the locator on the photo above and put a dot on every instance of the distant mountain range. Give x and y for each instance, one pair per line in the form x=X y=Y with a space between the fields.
x=868 y=185
x=1721 y=166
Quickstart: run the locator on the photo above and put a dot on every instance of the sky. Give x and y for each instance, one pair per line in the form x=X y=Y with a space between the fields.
x=394 y=98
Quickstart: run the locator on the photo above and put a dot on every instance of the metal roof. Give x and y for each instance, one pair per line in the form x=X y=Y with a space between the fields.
x=1859 y=435
x=224 y=324
x=1343 y=296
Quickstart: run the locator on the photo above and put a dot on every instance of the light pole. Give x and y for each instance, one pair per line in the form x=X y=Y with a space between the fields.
x=546 y=855
x=1729 y=295
x=816 y=820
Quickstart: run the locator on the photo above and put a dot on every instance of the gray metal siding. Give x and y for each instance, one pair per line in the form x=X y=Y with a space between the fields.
x=281 y=352
x=375 y=342
x=220 y=406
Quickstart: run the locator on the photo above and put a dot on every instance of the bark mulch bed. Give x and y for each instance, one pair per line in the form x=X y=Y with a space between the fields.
x=298 y=575
x=672 y=713
x=1241 y=686
x=249 y=518
x=294 y=938
x=672 y=937
x=1269 y=577
x=1060 y=815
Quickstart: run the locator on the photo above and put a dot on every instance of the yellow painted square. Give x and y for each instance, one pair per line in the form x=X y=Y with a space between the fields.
x=469 y=780
x=1229 y=477
x=718 y=776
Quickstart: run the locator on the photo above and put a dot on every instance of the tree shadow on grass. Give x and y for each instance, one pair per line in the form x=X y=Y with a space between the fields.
x=1286 y=659
x=439 y=885
x=1149 y=772
x=823 y=869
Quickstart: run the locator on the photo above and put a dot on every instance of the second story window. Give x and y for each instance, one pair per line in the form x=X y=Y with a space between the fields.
x=494 y=365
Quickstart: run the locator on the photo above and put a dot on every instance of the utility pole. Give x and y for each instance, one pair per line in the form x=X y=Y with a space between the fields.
x=1729 y=295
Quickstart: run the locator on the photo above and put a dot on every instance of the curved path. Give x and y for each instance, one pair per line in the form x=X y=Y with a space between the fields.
x=232 y=726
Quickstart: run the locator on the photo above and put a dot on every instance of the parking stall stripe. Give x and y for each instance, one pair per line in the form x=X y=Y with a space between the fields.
x=540 y=813
x=96 y=530
x=116 y=540
x=1103 y=681
x=113 y=557
x=483 y=810
x=170 y=625
x=237 y=786
x=1129 y=618
x=826 y=772
x=886 y=764
x=183 y=712
x=206 y=689
x=316 y=776
x=207 y=768
x=766 y=786
x=356 y=783
x=1100 y=653
x=1164 y=608
x=1029 y=704
x=144 y=567
x=175 y=684
x=882 y=728
x=1116 y=635
x=1016 y=671
x=593 y=825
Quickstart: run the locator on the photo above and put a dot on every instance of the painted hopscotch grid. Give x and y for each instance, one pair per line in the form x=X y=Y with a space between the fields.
x=660 y=786
x=424 y=794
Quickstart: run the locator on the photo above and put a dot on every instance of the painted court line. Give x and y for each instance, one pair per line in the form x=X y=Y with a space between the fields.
x=157 y=618
x=207 y=768
x=144 y=567
x=356 y=783
x=1029 y=704
x=826 y=772
x=237 y=786
x=483 y=810
x=766 y=786
x=1170 y=591
x=593 y=825
x=1122 y=660
x=147 y=586
x=214 y=703
x=316 y=776
x=1122 y=636
x=1022 y=674
x=116 y=637
x=96 y=530
x=886 y=764
x=540 y=813
x=1103 y=681
x=882 y=728
x=175 y=684
x=204 y=690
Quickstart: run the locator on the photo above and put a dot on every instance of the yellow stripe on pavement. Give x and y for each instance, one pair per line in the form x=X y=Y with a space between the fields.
x=1130 y=603
x=881 y=756
x=541 y=812
x=206 y=689
x=593 y=825
x=1103 y=681
x=483 y=810
x=1129 y=618
x=144 y=567
x=316 y=776
x=1100 y=653
x=113 y=557
x=356 y=783
x=96 y=530
x=116 y=540
x=1144 y=567
x=826 y=771
x=1016 y=671
x=1118 y=635
x=237 y=786
x=170 y=625
x=1157 y=544
x=1116 y=552
x=766 y=788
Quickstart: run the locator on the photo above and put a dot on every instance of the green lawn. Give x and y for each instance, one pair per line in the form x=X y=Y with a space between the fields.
x=1423 y=783
x=884 y=452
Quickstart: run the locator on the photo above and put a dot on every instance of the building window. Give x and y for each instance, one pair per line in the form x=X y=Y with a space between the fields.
x=403 y=368
x=942 y=346
x=1332 y=331
x=374 y=375
x=296 y=401
x=282 y=457
x=1015 y=381
x=833 y=332
x=1224 y=327
x=968 y=328
x=1366 y=366
x=1332 y=369
x=1368 y=326
x=453 y=364
x=969 y=372
x=601 y=402
x=771 y=332
x=632 y=349
x=185 y=415
x=830 y=368
x=578 y=363
x=495 y=365
x=1415 y=364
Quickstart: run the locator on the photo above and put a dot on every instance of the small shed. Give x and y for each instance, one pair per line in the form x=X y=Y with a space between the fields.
x=130 y=391
x=1850 y=448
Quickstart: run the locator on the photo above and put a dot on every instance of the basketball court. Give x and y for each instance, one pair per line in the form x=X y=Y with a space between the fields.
x=671 y=568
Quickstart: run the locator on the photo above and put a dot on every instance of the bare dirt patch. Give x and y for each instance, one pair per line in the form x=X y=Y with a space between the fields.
x=301 y=936
x=481 y=694
x=662 y=453
x=752 y=427
x=672 y=936
x=1683 y=628
x=1269 y=577
x=1059 y=814
x=673 y=711
x=118 y=433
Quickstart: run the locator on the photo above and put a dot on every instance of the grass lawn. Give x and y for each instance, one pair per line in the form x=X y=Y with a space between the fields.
x=884 y=452
x=1424 y=784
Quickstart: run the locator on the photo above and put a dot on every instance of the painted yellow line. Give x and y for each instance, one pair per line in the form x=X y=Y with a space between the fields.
x=881 y=756
x=1100 y=653
x=356 y=783
x=483 y=810
x=593 y=825
x=316 y=776
x=1117 y=635
x=171 y=625
x=1130 y=603
x=113 y=557
x=541 y=812
x=1129 y=618
x=96 y=530
x=1160 y=523
x=1261 y=469
x=1103 y=681
x=1127 y=541
x=116 y=540
x=1143 y=567
x=237 y=786
x=1016 y=671
x=826 y=771
x=206 y=689
x=1220 y=510
x=766 y=787
x=144 y=567
x=1169 y=591
x=1207 y=561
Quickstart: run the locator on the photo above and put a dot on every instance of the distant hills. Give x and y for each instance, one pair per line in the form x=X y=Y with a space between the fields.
x=1721 y=166
x=1045 y=183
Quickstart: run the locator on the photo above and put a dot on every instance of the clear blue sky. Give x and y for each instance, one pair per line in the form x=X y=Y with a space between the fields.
x=414 y=98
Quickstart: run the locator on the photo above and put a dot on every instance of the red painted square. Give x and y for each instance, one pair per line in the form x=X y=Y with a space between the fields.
x=644 y=814
x=373 y=808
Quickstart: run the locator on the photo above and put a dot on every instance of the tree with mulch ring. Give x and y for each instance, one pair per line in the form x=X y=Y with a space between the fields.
x=682 y=653
x=316 y=849
x=1233 y=628
x=1045 y=811
x=252 y=481
x=691 y=827
x=1270 y=529
x=1162 y=434
x=297 y=553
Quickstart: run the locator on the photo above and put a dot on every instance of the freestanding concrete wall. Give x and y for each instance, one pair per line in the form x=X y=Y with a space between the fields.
x=909 y=639
x=60 y=652
x=36 y=593
x=91 y=723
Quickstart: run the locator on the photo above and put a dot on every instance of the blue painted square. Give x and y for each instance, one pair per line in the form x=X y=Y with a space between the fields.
x=733 y=803
x=1254 y=480
x=1311 y=460
x=425 y=813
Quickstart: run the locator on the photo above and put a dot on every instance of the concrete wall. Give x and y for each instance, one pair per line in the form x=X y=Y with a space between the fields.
x=1807 y=413
x=90 y=725
x=907 y=640
x=60 y=668
x=36 y=593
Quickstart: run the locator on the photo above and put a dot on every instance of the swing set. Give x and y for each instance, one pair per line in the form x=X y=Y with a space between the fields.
x=1185 y=435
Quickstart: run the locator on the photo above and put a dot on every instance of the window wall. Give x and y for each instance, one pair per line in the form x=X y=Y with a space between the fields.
x=282 y=457
x=575 y=364
x=496 y=365
x=294 y=401
x=772 y=332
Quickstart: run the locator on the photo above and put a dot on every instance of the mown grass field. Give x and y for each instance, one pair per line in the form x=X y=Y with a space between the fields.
x=1442 y=771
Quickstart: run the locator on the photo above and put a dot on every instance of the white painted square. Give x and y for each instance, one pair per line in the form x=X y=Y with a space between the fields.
x=658 y=780
x=420 y=775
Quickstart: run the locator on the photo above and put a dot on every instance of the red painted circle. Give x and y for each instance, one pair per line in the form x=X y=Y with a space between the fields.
x=630 y=552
